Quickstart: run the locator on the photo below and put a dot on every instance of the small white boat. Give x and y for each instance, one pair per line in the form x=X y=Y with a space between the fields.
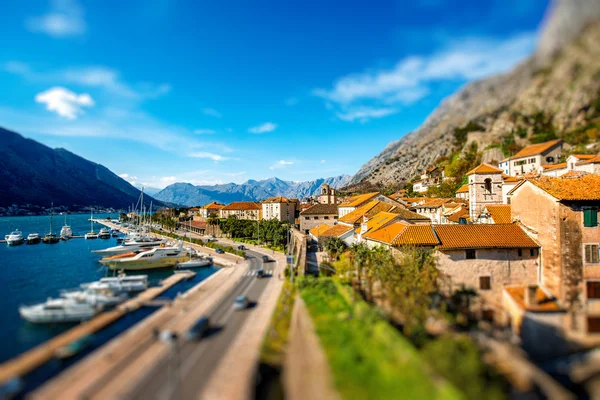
x=33 y=238
x=121 y=283
x=15 y=238
x=96 y=295
x=66 y=232
x=58 y=310
x=104 y=233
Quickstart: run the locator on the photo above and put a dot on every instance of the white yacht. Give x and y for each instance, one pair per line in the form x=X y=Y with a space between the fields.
x=15 y=238
x=96 y=295
x=65 y=231
x=128 y=247
x=58 y=310
x=121 y=283
x=157 y=257
x=196 y=260
x=104 y=233
x=33 y=238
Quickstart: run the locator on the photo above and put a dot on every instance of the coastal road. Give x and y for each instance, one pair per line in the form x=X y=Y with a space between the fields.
x=188 y=368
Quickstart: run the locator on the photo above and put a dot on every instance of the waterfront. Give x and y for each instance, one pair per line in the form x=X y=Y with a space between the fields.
x=32 y=273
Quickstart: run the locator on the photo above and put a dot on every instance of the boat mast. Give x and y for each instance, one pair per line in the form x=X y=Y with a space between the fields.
x=51 y=212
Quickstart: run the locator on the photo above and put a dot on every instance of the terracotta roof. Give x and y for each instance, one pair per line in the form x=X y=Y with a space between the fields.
x=379 y=220
x=279 y=199
x=594 y=160
x=214 y=204
x=370 y=209
x=463 y=189
x=434 y=203
x=581 y=187
x=485 y=169
x=417 y=235
x=584 y=156
x=464 y=211
x=482 y=236
x=242 y=205
x=388 y=233
x=321 y=209
x=195 y=224
x=337 y=230
x=194 y=209
x=535 y=149
x=500 y=213
x=510 y=179
x=319 y=230
x=357 y=201
x=550 y=167
x=544 y=302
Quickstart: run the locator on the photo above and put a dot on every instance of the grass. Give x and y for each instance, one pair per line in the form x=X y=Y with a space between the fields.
x=274 y=344
x=368 y=357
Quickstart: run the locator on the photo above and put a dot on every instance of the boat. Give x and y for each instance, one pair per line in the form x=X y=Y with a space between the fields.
x=33 y=238
x=91 y=234
x=157 y=257
x=15 y=238
x=73 y=348
x=121 y=283
x=58 y=310
x=104 y=233
x=115 y=233
x=50 y=237
x=66 y=232
x=194 y=263
x=97 y=295
x=128 y=247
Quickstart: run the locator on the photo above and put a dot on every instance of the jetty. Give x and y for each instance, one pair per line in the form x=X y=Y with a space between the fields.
x=37 y=356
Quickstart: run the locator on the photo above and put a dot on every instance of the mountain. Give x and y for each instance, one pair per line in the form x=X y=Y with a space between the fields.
x=151 y=191
x=190 y=195
x=32 y=173
x=555 y=93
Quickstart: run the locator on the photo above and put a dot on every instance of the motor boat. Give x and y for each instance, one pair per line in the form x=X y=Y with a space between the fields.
x=194 y=263
x=121 y=283
x=115 y=233
x=51 y=238
x=58 y=310
x=15 y=238
x=66 y=232
x=33 y=238
x=128 y=247
x=104 y=233
x=157 y=257
x=96 y=295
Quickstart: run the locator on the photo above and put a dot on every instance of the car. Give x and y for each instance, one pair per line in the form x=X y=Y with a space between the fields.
x=241 y=247
x=240 y=303
x=260 y=273
x=211 y=239
x=198 y=329
x=220 y=251
x=168 y=336
x=266 y=259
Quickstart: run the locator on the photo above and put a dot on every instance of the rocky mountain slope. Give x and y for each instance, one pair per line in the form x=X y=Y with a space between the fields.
x=32 y=173
x=190 y=195
x=555 y=93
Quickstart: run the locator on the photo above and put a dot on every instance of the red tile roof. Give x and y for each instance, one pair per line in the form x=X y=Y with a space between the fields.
x=388 y=233
x=501 y=213
x=321 y=209
x=485 y=169
x=417 y=235
x=243 y=205
x=357 y=201
x=319 y=230
x=535 y=149
x=581 y=187
x=544 y=302
x=482 y=236
x=463 y=189
x=337 y=230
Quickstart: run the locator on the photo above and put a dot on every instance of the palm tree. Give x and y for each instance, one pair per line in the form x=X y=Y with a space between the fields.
x=213 y=220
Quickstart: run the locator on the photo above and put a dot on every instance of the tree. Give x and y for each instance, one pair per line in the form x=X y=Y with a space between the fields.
x=213 y=220
x=335 y=247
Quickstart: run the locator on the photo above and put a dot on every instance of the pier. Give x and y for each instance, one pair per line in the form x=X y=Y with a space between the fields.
x=32 y=359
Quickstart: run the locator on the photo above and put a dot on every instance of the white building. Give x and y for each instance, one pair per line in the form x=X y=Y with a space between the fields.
x=280 y=208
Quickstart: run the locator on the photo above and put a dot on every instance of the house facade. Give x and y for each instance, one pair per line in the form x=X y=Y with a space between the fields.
x=317 y=215
x=211 y=208
x=328 y=195
x=243 y=210
x=485 y=187
x=532 y=157
x=280 y=208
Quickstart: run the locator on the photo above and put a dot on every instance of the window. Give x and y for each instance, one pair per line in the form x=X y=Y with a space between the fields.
x=335 y=217
x=531 y=161
x=488 y=315
x=485 y=282
x=590 y=217
x=520 y=252
x=532 y=252
x=593 y=324
x=549 y=159
x=470 y=254
x=522 y=162
x=593 y=289
x=307 y=218
x=591 y=254
x=326 y=217
x=315 y=217
x=488 y=185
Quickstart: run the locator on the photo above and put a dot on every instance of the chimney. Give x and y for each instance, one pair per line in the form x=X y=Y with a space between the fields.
x=530 y=296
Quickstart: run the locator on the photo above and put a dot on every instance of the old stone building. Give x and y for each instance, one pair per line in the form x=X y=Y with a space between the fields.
x=317 y=215
x=485 y=187
x=328 y=195
x=530 y=158
x=280 y=208
x=243 y=210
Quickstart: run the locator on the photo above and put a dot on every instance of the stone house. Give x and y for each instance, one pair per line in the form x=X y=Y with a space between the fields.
x=463 y=192
x=280 y=208
x=430 y=177
x=561 y=213
x=354 y=202
x=328 y=195
x=316 y=215
x=485 y=187
x=433 y=209
x=211 y=208
x=243 y=210
x=575 y=162
x=530 y=158
x=495 y=214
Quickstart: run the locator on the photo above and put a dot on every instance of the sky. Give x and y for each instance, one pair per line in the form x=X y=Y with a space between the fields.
x=211 y=92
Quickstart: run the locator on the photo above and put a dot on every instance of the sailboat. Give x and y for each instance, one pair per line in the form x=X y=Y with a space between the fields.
x=66 y=232
x=91 y=234
x=50 y=237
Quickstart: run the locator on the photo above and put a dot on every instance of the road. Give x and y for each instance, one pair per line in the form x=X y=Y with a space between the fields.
x=189 y=367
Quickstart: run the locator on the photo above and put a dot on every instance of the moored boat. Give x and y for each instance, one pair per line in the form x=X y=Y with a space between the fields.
x=33 y=238
x=91 y=234
x=128 y=247
x=104 y=233
x=66 y=232
x=158 y=257
x=15 y=238
x=121 y=283
x=96 y=295
x=58 y=310
x=50 y=237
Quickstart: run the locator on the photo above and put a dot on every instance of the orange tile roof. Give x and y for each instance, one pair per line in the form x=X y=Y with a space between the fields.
x=321 y=209
x=459 y=214
x=594 y=160
x=584 y=156
x=379 y=220
x=482 y=236
x=485 y=169
x=388 y=233
x=550 y=167
x=417 y=235
x=501 y=213
x=544 y=302
x=319 y=230
x=214 y=204
x=194 y=209
x=279 y=199
x=581 y=187
x=242 y=205
x=357 y=201
x=463 y=189
x=434 y=203
x=369 y=209
x=535 y=149
x=510 y=179
x=337 y=230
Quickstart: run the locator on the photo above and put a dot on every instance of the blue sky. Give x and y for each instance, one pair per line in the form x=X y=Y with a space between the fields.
x=211 y=92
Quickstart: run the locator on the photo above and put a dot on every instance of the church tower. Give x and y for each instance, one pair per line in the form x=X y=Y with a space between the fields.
x=485 y=187
x=328 y=195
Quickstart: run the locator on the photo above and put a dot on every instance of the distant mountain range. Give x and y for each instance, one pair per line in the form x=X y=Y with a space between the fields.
x=190 y=195
x=32 y=173
x=151 y=191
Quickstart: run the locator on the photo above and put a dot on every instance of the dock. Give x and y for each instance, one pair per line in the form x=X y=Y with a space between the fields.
x=37 y=356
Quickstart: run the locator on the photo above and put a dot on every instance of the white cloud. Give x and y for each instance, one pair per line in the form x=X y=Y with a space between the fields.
x=211 y=112
x=264 y=128
x=364 y=114
x=204 y=131
x=280 y=164
x=204 y=154
x=129 y=178
x=65 y=18
x=323 y=161
x=410 y=79
x=64 y=102
x=167 y=180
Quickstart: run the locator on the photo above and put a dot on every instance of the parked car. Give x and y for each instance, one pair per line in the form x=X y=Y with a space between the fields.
x=167 y=336
x=198 y=329
x=260 y=273
x=220 y=251
x=241 y=247
x=240 y=303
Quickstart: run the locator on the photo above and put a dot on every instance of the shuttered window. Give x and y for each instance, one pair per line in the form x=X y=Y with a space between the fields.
x=590 y=217
x=485 y=282
x=593 y=289
x=591 y=254
x=593 y=324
